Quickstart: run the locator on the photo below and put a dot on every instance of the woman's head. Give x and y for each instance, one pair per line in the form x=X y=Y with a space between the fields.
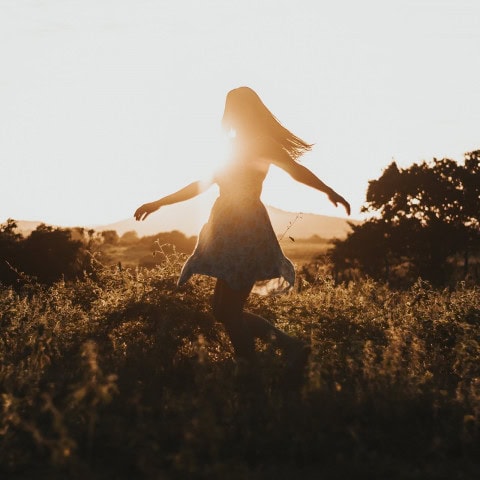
x=247 y=115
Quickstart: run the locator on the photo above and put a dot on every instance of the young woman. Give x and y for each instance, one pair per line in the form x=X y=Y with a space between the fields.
x=238 y=245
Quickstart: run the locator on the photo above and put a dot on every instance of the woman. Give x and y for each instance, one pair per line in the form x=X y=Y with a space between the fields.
x=238 y=245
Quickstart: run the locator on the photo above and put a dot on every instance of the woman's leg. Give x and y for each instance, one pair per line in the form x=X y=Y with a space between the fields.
x=243 y=327
x=228 y=309
x=265 y=331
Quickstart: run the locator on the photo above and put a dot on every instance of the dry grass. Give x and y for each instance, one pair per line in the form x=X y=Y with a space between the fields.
x=123 y=375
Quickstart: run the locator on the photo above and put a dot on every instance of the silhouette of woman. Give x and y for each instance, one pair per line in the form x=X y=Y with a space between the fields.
x=238 y=245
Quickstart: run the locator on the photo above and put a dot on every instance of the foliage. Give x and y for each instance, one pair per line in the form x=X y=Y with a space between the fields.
x=121 y=374
x=424 y=218
x=47 y=254
x=9 y=240
x=110 y=237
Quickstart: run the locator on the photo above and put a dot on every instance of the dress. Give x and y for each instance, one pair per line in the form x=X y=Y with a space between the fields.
x=238 y=243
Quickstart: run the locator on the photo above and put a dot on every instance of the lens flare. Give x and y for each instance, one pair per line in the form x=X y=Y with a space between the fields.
x=219 y=154
x=222 y=151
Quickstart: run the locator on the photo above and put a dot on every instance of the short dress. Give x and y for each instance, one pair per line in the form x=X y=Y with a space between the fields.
x=238 y=243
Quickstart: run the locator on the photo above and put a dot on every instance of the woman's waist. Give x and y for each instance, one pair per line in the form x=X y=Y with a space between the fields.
x=241 y=191
x=245 y=197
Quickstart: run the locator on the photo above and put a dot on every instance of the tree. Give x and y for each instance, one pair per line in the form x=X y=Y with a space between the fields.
x=48 y=254
x=421 y=217
x=129 y=237
x=110 y=237
x=9 y=241
x=471 y=205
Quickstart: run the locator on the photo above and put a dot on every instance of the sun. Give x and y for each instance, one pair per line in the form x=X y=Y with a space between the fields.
x=221 y=152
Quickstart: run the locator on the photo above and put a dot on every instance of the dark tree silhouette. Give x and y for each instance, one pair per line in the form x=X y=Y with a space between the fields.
x=422 y=218
x=9 y=251
x=471 y=206
x=48 y=254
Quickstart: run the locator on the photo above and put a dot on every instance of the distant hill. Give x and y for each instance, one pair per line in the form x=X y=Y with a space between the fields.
x=309 y=224
x=189 y=220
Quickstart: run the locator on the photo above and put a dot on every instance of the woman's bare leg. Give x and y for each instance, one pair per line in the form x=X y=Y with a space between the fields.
x=268 y=333
x=228 y=309
x=243 y=327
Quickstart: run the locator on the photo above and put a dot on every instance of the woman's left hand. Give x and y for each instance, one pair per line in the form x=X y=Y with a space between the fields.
x=336 y=199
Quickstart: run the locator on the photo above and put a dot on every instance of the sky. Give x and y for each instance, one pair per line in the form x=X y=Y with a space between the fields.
x=107 y=104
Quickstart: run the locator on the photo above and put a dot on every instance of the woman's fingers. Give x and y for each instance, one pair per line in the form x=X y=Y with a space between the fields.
x=347 y=206
x=141 y=213
x=335 y=198
x=145 y=210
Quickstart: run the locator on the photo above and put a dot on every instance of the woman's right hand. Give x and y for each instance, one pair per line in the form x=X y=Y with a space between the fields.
x=145 y=210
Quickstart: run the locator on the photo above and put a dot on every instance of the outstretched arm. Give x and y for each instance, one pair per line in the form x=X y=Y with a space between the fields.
x=190 y=191
x=303 y=175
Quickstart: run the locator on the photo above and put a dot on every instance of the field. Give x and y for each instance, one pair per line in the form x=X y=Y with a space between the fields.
x=133 y=252
x=123 y=375
x=304 y=251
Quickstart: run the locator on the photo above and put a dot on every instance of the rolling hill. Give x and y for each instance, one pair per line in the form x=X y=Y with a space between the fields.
x=189 y=218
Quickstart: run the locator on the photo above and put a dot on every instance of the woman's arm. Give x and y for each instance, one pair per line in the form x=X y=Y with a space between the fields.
x=303 y=175
x=190 y=191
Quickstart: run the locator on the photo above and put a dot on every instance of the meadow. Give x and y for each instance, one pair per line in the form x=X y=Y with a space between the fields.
x=131 y=251
x=123 y=375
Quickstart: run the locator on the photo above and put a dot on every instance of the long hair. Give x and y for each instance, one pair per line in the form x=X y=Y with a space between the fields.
x=245 y=111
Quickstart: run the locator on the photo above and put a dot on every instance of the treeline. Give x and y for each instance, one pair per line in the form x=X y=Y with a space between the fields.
x=131 y=251
x=47 y=254
x=425 y=222
x=50 y=254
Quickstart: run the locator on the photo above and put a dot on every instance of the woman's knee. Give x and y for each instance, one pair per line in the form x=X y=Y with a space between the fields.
x=227 y=303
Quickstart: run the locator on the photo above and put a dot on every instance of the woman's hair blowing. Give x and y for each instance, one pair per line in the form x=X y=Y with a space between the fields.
x=244 y=110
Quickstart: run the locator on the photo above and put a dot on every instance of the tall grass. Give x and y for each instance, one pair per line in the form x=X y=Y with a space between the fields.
x=124 y=375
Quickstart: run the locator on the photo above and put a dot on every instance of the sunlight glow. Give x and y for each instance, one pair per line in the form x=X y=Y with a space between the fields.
x=221 y=151
x=126 y=103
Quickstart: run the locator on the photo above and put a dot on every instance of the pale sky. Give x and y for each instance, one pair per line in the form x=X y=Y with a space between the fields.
x=106 y=104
